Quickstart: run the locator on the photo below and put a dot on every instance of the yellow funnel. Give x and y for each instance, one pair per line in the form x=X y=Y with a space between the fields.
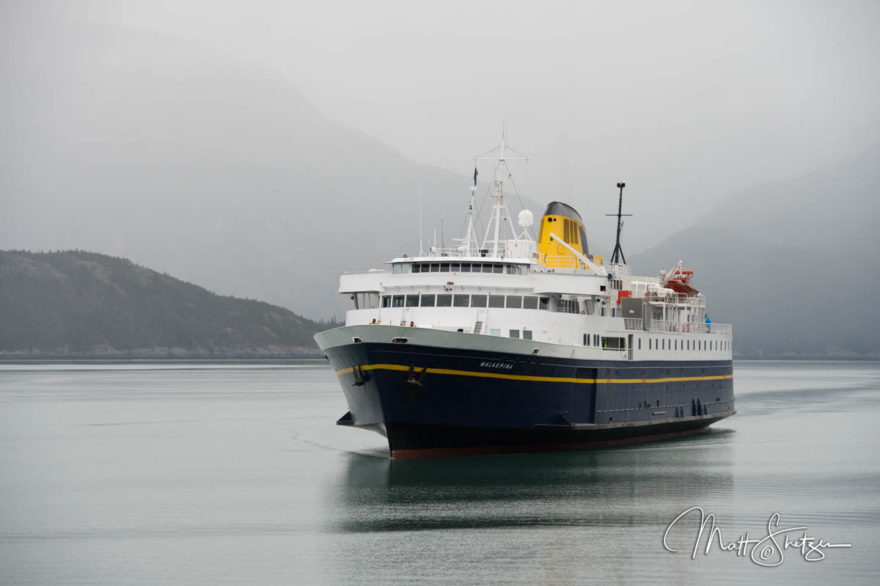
x=563 y=220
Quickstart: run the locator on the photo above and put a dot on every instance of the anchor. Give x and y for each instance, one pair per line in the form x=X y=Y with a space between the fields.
x=415 y=378
x=360 y=376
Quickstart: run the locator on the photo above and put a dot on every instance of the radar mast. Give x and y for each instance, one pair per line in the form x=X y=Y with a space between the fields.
x=500 y=213
x=617 y=256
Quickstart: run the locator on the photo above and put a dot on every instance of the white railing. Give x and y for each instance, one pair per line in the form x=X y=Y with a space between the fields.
x=620 y=271
x=632 y=323
x=719 y=328
x=560 y=261
x=437 y=252
x=658 y=325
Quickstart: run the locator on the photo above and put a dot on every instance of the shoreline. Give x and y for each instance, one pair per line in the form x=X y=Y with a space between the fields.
x=316 y=356
x=119 y=358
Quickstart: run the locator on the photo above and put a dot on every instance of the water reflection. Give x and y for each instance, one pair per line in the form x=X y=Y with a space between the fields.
x=616 y=487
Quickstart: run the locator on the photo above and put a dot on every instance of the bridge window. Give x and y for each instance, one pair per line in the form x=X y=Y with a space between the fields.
x=530 y=302
x=496 y=300
x=455 y=267
x=444 y=300
x=461 y=300
x=427 y=300
x=465 y=267
x=397 y=301
x=412 y=300
x=444 y=267
x=544 y=303
x=497 y=268
x=514 y=301
x=386 y=301
x=435 y=267
x=478 y=300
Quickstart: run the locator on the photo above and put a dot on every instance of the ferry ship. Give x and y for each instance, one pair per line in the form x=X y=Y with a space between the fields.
x=519 y=343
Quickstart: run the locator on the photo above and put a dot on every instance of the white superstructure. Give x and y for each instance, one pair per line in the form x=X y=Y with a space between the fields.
x=550 y=290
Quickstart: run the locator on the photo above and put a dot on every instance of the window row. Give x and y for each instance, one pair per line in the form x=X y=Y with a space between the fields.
x=526 y=334
x=591 y=339
x=466 y=300
x=674 y=344
x=458 y=267
x=607 y=342
x=660 y=344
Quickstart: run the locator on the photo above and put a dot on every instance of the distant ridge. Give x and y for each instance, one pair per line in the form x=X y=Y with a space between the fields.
x=233 y=165
x=75 y=304
x=793 y=264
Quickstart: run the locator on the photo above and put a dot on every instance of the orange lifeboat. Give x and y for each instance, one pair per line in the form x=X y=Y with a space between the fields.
x=680 y=282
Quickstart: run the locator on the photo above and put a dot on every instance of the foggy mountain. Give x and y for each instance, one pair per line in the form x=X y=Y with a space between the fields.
x=147 y=146
x=138 y=145
x=792 y=265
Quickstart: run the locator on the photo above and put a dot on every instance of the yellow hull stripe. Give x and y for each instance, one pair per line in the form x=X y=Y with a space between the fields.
x=526 y=377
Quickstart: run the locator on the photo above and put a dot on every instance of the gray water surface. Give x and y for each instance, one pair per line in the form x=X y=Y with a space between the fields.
x=235 y=473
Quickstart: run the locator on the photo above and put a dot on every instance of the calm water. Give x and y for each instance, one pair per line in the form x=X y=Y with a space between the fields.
x=194 y=474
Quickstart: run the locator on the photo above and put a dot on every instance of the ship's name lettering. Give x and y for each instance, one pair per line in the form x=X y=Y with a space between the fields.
x=489 y=364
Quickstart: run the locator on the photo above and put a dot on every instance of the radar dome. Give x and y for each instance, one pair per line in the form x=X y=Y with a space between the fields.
x=526 y=218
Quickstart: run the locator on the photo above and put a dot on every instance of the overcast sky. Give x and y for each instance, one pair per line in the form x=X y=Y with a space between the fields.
x=686 y=101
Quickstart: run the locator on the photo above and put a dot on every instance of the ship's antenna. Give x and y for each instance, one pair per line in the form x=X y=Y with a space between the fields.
x=500 y=212
x=617 y=256
x=421 y=249
x=471 y=235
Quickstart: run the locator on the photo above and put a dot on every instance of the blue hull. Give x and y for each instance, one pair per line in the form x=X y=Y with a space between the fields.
x=430 y=400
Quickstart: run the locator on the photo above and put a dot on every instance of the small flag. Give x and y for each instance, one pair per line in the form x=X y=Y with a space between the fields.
x=475 y=176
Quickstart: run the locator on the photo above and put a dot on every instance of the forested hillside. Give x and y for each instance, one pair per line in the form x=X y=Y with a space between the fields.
x=85 y=304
